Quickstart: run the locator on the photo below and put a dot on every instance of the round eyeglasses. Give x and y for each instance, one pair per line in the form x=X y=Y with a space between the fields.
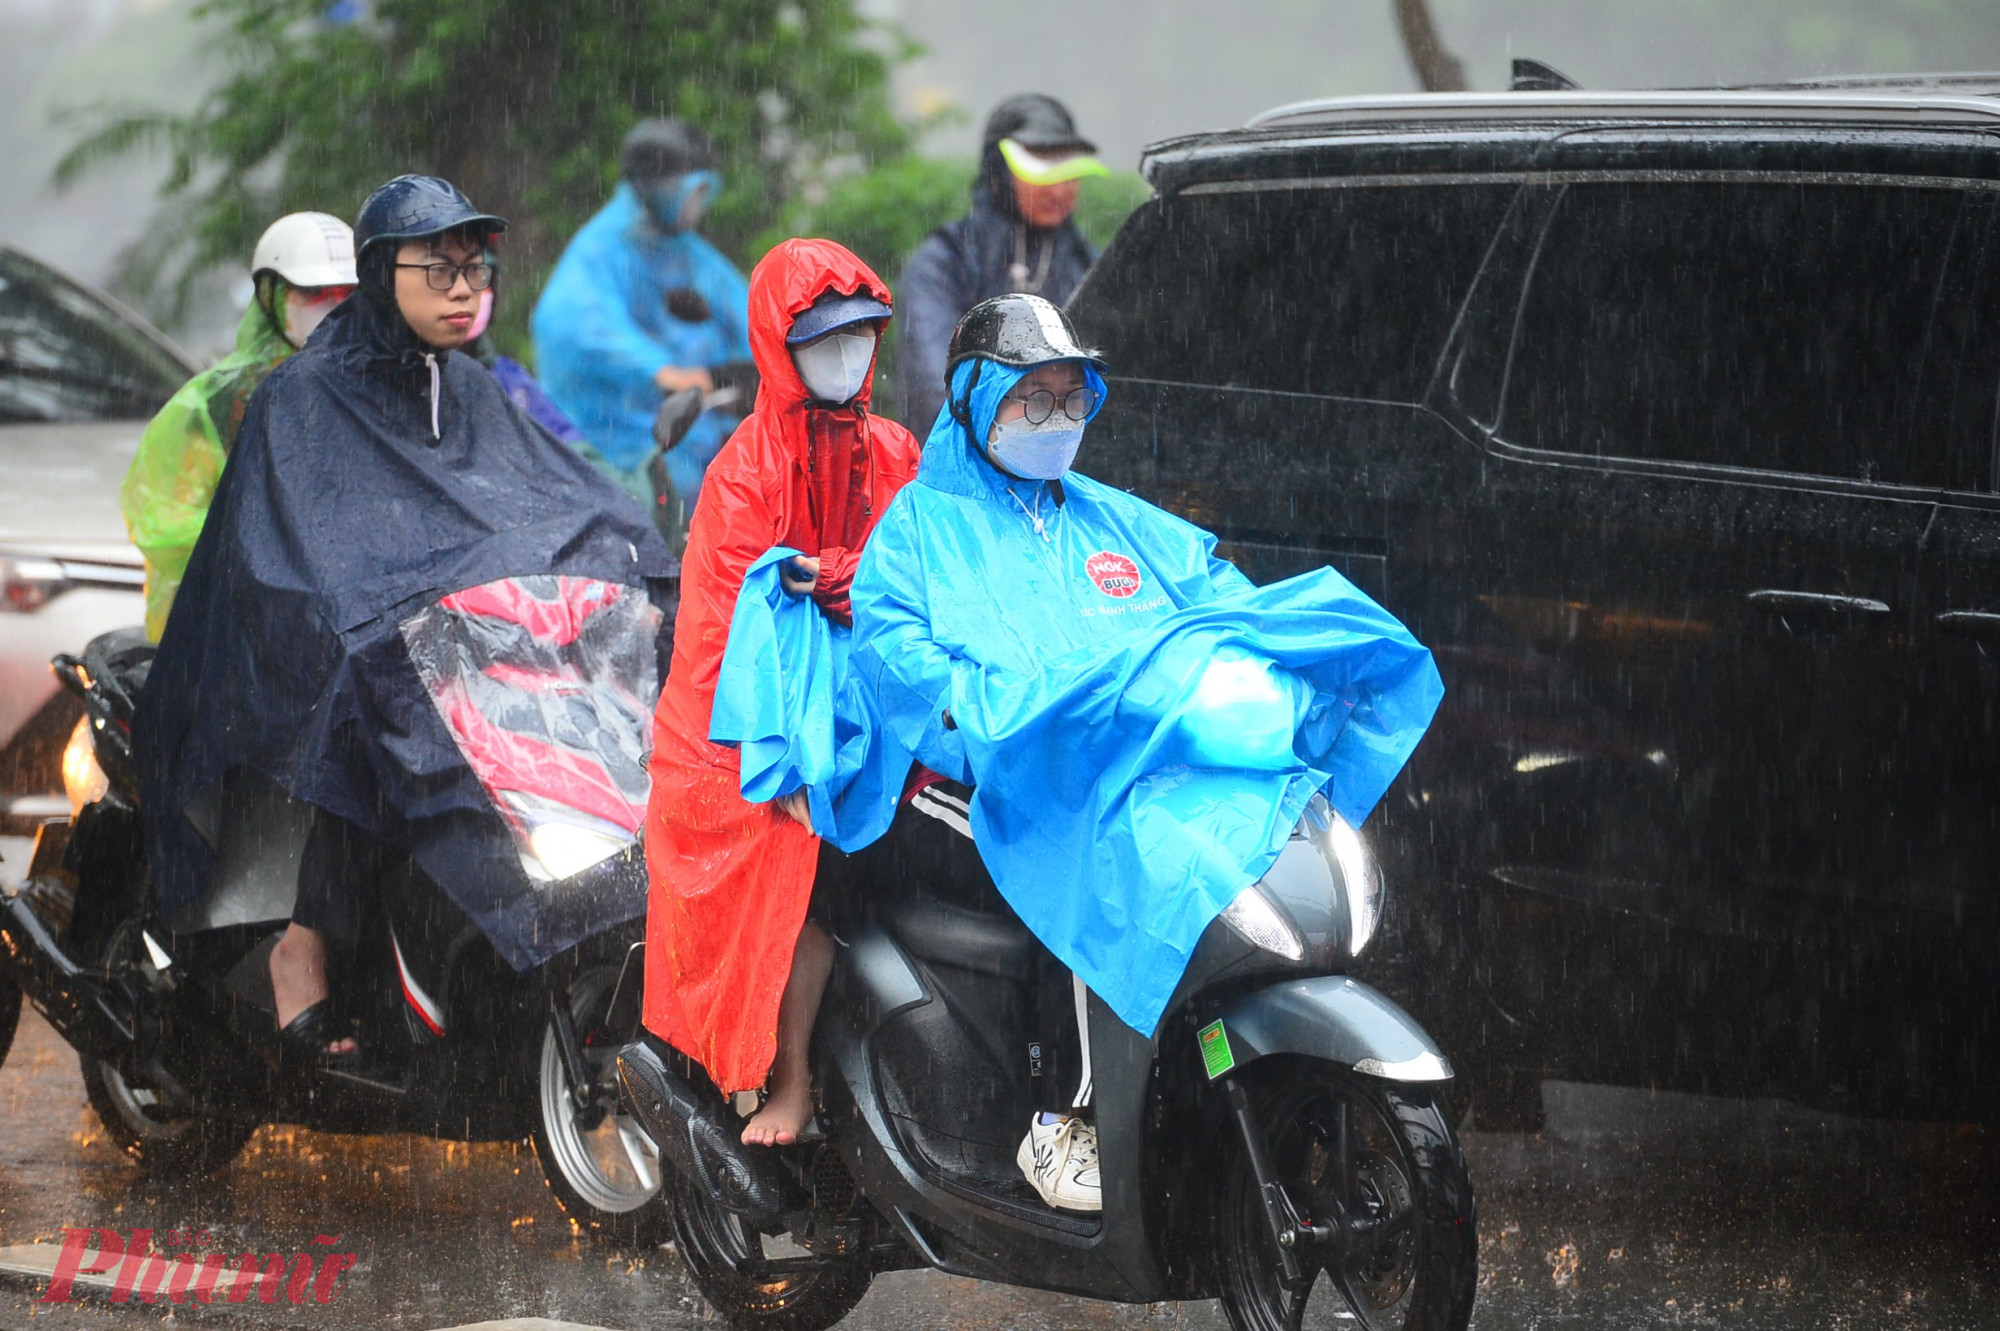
x=444 y=276
x=1041 y=404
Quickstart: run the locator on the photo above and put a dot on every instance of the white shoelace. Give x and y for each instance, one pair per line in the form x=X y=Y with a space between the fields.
x=1076 y=1146
x=1082 y=1144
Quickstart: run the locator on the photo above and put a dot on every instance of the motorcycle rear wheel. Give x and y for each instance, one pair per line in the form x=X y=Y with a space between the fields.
x=165 y=1143
x=1418 y=1269
x=603 y=1170
x=725 y=1256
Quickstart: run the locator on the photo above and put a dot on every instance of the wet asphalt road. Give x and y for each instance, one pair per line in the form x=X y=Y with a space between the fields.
x=1629 y=1210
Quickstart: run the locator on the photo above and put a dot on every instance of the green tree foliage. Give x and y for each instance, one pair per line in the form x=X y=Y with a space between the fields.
x=521 y=102
x=883 y=214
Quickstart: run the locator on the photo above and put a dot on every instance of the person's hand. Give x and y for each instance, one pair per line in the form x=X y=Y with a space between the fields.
x=799 y=574
x=673 y=378
x=798 y=807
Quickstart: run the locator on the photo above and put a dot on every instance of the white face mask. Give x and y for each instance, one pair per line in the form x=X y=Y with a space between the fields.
x=836 y=366
x=1036 y=452
x=303 y=313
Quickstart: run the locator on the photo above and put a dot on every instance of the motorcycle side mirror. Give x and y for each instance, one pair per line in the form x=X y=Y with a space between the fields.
x=676 y=417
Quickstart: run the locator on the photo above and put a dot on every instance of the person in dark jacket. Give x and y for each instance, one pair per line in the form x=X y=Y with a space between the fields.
x=1019 y=237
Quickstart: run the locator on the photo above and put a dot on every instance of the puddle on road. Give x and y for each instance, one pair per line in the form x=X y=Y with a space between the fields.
x=1629 y=1210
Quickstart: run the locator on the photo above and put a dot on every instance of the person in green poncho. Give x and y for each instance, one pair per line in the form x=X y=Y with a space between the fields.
x=302 y=267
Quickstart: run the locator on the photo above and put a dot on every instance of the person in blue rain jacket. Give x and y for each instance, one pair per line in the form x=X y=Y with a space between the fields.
x=641 y=305
x=1128 y=728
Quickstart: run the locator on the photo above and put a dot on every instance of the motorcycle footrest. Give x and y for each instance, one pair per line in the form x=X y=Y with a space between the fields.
x=699 y=1136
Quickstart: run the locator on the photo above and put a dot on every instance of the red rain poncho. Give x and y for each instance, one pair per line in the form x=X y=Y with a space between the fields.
x=731 y=879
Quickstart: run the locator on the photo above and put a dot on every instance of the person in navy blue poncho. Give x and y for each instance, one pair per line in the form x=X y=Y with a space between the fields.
x=378 y=469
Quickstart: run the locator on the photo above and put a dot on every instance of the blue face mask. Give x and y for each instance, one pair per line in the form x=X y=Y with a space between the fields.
x=1036 y=452
x=679 y=203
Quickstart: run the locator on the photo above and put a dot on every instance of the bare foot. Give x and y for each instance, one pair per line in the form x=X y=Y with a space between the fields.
x=781 y=1119
x=789 y=1106
x=298 y=978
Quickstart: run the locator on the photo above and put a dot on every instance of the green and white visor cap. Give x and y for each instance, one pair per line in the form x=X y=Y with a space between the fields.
x=1053 y=169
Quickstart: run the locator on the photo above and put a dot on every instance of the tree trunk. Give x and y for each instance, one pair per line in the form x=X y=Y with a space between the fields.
x=1437 y=69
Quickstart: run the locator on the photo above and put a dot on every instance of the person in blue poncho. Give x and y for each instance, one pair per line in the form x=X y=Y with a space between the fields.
x=995 y=487
x=641 y=305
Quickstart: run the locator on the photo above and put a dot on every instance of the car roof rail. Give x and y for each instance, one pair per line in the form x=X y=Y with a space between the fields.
x=1896 y=103
x=1534 y=76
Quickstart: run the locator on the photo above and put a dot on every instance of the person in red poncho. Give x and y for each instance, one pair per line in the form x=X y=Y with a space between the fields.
x=814 y=469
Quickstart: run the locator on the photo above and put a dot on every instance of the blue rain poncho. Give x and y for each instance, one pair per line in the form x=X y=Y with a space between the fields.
x=800 y=719
x=1141 y=725
x=602 y=331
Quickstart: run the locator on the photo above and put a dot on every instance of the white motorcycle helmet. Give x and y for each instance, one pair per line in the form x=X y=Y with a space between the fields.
x=314 y=254
x=307 y=250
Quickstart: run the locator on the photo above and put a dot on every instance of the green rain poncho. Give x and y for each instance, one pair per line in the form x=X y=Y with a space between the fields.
x=166 y=492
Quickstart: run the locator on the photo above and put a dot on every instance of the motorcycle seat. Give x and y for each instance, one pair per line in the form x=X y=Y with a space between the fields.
x=945 y=935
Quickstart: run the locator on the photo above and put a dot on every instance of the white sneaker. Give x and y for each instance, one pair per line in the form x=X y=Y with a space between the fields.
x=1060 y=1159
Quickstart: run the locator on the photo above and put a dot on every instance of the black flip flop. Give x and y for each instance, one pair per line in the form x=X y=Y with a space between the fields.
x=305 y=1039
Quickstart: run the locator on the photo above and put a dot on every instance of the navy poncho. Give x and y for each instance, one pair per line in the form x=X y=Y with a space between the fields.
x=372 y=476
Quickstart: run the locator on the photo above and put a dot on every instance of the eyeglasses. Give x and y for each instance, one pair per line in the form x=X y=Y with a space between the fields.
x=1041 y=404
x=444 y=276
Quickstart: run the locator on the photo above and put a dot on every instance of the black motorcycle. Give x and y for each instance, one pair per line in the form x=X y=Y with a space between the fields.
x=172 y=1012
x=1278 y=1143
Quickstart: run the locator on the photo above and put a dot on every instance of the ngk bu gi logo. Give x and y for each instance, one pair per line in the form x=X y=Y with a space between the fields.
x=1114 y=574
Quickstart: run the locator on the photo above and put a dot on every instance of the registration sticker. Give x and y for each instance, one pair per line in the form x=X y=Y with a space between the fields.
x=1215 y=1052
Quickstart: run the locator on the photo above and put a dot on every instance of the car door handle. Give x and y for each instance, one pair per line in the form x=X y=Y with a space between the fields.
x=1981 y=624
x=1773 y=599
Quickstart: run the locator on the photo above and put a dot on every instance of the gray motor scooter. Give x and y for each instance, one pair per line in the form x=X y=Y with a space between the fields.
x=1278 y=1143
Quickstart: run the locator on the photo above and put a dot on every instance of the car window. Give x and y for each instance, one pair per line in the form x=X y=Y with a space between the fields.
x=1822 y=329
x=1339 y=292
x=64 y=355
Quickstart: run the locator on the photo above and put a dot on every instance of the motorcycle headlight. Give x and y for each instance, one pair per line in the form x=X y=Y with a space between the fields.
x=566 y=850
x=1254 y=917
x=561 y=842
x=83 y=780
x=1360 y=879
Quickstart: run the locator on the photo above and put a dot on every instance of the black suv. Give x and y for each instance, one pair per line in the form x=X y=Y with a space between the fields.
x=1668 y=421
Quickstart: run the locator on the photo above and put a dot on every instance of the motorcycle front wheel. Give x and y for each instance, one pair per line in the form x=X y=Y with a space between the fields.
x=750 y=1288
x=1411 y=1258
x=601 y=1166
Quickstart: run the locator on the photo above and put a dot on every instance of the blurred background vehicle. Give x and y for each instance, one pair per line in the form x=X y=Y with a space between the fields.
x=1667 y=421
x=79 y=377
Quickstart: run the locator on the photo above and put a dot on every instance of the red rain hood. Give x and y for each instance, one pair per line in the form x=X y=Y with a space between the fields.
x=788 y=280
